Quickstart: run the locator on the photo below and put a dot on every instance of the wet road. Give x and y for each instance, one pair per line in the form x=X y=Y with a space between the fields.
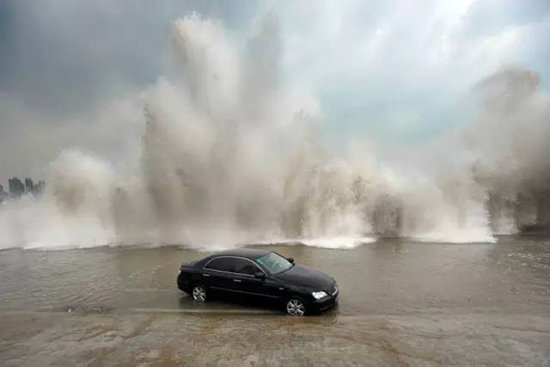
x=402 y=303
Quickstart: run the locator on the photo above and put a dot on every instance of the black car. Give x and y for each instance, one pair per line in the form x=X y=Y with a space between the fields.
x=249 y=272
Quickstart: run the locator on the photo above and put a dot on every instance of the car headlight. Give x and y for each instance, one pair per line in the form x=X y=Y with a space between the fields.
x=319 y=295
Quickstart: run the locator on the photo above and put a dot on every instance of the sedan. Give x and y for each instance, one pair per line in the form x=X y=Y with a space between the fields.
x=259 y=273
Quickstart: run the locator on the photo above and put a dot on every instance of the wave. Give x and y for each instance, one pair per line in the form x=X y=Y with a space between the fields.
x=230 y=153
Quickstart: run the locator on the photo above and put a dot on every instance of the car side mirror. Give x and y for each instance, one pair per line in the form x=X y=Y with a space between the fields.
x=290 y=260
x=259 y=275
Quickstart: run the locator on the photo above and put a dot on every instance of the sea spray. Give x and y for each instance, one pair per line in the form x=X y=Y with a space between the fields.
x=231 y=154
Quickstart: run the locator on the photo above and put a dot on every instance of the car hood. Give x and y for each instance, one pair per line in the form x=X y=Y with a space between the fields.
x=306 y=277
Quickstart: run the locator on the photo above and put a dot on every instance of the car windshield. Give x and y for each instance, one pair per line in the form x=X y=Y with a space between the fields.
x=274 y=263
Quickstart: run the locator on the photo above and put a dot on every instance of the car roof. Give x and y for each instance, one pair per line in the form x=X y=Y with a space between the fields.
x=247 y=252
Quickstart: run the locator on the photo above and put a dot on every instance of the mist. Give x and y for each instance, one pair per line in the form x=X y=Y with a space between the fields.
x=227 y=152
x=295 y=123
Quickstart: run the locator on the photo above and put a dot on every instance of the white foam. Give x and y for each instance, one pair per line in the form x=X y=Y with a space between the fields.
x=338 y=242
x=343 y=242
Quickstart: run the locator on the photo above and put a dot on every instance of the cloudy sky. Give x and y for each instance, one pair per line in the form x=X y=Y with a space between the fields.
x=395 y=72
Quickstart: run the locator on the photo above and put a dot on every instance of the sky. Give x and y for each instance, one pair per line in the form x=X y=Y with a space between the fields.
x=391 y=72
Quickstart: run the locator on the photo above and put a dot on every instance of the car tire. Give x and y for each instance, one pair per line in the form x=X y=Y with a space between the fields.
x=296 y=306
x=198 y=292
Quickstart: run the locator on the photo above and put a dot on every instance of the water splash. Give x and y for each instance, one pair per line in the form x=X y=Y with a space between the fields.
x=231 y=154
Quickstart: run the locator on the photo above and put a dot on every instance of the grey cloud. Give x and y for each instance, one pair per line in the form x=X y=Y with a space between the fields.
x=66 y=56
x=492 y=16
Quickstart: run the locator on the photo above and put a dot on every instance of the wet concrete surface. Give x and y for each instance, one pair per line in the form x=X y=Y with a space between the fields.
x=402 y=303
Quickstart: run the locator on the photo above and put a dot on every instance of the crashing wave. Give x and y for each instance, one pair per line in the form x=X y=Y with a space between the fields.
x=231 y=153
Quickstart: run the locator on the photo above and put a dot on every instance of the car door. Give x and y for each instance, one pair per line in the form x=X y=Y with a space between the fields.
x=218 y=273
x=246 y=282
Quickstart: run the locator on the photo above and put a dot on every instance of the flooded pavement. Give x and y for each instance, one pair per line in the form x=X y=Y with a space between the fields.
x=402 y=303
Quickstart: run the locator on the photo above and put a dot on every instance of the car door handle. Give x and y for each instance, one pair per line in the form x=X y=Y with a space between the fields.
x=237 y=280
x=206 y=275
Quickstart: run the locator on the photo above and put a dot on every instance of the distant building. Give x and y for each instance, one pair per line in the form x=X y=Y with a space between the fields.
x=17 y=188
x=3 y=194
x=39 y=188
x=29 y=186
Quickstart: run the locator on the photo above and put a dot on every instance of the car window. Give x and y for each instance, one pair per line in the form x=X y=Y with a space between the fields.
x=275 y=263
x=222 y=264
x=245 y=267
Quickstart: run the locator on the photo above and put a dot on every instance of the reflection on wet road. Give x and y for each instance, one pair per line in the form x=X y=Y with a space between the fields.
x=401 y=303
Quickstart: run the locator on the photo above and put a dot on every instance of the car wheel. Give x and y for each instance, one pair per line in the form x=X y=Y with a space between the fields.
x=199 y=293
x=295 y=306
